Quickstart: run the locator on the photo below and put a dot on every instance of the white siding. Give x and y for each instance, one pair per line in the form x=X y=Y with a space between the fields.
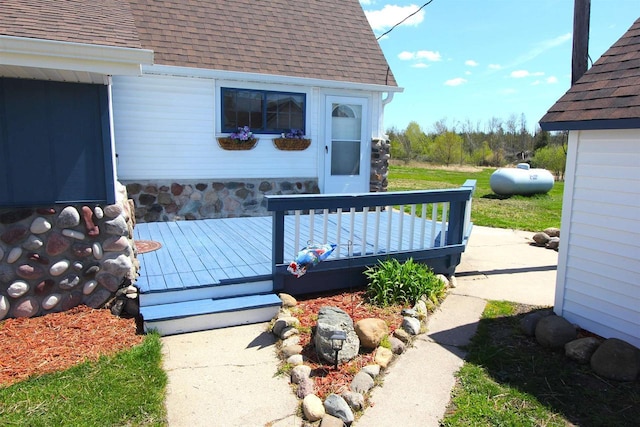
x=599 y=266
x=165 y=128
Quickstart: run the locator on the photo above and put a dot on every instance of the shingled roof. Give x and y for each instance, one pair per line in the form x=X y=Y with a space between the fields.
x=107 y=23
x=321 y=39
x=607 y=96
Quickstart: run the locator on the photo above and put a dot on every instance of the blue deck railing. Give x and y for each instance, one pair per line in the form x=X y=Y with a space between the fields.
x=424 y=225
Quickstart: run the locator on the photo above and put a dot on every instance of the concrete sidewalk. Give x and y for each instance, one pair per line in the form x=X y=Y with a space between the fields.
x=225 y=377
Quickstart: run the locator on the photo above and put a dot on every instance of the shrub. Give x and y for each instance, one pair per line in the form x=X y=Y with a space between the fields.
x=391 y=282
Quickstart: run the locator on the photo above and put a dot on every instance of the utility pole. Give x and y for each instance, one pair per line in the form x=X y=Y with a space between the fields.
x=580 y=53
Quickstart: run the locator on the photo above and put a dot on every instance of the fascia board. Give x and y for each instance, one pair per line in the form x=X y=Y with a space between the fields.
x=40 y=53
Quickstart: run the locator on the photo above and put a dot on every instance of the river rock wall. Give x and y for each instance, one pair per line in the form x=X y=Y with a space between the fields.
x=201 y=199
x=53 y=258
x=380 y=155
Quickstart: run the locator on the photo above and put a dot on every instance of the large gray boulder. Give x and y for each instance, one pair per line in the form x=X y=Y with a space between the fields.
x=330 y=320
x=616 y=359
x=555 y=332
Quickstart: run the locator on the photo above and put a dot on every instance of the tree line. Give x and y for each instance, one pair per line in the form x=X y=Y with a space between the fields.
x=495 y=143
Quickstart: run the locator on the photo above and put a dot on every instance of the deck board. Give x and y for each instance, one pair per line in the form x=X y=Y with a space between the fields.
x=215 y=251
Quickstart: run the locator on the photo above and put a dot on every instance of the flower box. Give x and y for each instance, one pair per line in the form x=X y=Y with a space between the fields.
x=236 y=144
x=292 y=144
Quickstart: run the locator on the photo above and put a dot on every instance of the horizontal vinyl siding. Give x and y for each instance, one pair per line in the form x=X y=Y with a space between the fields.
x=602 y=274
x=165 y=129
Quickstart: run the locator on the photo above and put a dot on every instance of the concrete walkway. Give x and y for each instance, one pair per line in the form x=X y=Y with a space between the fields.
x=225 y=377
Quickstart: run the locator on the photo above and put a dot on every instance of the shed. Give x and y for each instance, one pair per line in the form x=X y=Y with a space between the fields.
x=598 y=281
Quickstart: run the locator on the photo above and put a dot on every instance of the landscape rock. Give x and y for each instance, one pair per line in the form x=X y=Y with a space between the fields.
x=383 y=357
x=299 y=373
x=411 y=325
x=69 y=217
x=287 y=300
x=305 y=388
x=330 y=320
x=402 y=335
x=554 y=332
x=540 y=239
x=354 y=399
x=552 y=232
x=283 y=323
x=553 y=243
x=312 y=407
x=421 y=309
x=616 y=359
x=397 y=346
x=581 y=349
x=295 y=359
x=372 y=370
x=331 y=421
x=288 y=332
x=292 y=340
x=371 y=331
x=291 y=350
x=529 y=322
x=335 y=405
x=361 y=383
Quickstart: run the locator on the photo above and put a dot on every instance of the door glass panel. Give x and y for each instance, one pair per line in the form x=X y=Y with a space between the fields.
x=346 y=143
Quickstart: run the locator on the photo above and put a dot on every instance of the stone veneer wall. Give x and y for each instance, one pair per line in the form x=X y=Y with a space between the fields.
x=200 y=199
x=53 y=258
x=380 y=155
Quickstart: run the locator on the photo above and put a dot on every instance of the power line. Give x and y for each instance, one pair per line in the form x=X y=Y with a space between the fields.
x=399 y=23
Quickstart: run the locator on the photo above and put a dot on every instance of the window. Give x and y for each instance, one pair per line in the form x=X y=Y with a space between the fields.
x=263 y=111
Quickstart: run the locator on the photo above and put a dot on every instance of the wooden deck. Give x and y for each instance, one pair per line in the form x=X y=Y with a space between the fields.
x=235 y=250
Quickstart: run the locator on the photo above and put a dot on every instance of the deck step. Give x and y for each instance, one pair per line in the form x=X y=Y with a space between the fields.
x=247 y=286
x=205 y=314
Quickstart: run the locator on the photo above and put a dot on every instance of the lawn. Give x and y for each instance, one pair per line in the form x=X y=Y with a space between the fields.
x=125 y=389
x=529 y=213
x=510 y=380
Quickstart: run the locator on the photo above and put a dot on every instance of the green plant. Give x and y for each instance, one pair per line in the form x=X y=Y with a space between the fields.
x=385 y=342
x=392 y=282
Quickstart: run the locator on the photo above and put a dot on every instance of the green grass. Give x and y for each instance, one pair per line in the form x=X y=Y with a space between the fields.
x=510 y=380
x=530 y=213
x=123 y=390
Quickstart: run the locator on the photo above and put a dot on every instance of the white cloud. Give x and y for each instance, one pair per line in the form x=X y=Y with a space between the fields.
x=406 y=56
x=552 y=79
x=495 y=66
x=518 y=74
x=535 y=83
x=390 y=15
x=429 y=55
x=507 y=91
x=467 y=73
x=471 y=63
x=420 y=56
x=455 y=82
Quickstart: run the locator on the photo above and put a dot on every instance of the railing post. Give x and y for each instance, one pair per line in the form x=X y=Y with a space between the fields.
x=277 y=247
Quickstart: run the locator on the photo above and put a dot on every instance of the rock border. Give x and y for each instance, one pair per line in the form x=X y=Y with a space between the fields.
x=337 y=409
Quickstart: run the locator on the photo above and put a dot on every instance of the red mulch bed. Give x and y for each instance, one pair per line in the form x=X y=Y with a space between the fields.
x=327 y=379
x=58 y=341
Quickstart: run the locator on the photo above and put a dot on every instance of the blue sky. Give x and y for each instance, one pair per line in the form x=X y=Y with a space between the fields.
x=471 y=60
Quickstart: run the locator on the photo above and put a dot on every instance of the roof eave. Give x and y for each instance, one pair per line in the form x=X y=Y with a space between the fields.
x=630 y=123
x=264 y=78
x=92 y=58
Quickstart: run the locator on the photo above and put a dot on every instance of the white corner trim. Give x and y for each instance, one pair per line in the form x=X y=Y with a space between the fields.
x=263 y=78
x=41 y=53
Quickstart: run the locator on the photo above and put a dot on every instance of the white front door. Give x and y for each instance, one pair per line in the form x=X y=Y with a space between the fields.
x=346 y=146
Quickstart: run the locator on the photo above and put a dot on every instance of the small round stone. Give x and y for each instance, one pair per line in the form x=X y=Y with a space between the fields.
x=59 y=267
x=17 y=289
x=4 y=306
x=14 y=254
x=40 y=225
x=51 y=301
x=89 y=287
